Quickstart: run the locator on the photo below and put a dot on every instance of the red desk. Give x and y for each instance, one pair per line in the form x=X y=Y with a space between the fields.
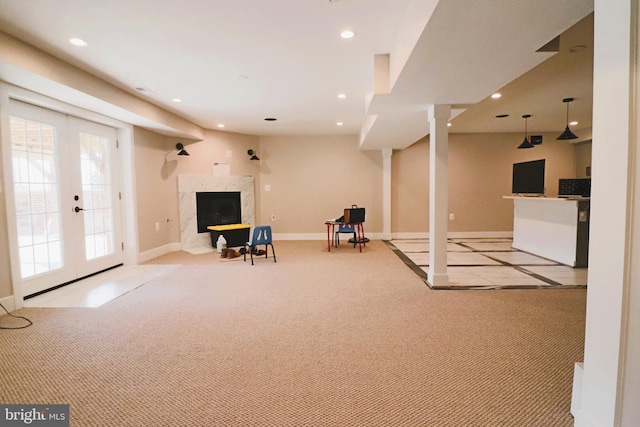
x=331 y=225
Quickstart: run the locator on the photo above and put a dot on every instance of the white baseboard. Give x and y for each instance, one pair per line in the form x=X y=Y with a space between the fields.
x=159 y=251
x=299 y=236
x=316 y=236
x=580 y=417
x=457 y=235
x=153 y=253
x=480 y=234
x=576 y=396
x=410 y=235
x=145 y=256
x=8 y=303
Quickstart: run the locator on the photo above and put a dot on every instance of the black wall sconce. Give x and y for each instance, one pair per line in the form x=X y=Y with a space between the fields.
x=181 y=150
x=253 y=155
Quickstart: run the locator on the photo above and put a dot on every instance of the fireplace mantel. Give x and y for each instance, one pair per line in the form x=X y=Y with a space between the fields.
x=188 y=185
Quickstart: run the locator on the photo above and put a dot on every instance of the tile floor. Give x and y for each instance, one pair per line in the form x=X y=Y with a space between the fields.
x=97 y=290
x=490 y=264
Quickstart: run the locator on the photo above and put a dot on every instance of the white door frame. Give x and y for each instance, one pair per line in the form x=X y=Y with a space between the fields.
x=124 y=133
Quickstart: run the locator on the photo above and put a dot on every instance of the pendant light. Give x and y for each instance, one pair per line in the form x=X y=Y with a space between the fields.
x=525 y=143
x=567 y=134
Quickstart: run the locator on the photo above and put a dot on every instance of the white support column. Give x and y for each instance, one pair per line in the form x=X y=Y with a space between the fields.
x=438 y=193
x=606 y=388
x=386 y=193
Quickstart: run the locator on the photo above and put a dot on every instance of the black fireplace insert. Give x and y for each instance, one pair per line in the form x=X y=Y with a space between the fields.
x=217 y=208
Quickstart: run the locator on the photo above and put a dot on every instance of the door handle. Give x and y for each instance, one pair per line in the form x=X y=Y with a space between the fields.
x=77 y=209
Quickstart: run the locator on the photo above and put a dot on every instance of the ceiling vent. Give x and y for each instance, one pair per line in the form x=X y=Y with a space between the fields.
x=145 y=90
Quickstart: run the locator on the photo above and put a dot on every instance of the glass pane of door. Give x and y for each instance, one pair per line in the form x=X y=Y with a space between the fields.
x=95 y=165
x=37 y=205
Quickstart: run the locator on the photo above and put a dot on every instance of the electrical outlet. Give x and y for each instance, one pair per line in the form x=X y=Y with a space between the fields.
x=451 y=217
x=273 y=217
x=157 y=226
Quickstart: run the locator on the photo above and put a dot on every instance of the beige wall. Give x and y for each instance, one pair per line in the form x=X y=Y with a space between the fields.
x=313 y=178
x=154 y=192
x=480 y=168
x=410 y=188
x=157 y=178
x=583 y=159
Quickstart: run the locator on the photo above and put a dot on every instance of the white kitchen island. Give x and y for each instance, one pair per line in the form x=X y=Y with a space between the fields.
x=553 y=228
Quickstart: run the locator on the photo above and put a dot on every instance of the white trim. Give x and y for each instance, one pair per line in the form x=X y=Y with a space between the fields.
x=156 y=252
x=316 y=236
x=410 y=235
x=479 y=234
x=580 y=417
x=457 y=235
x=129 y=207
x=386 y=192
x=9 y=304
x=173 y=247
x=576 y=396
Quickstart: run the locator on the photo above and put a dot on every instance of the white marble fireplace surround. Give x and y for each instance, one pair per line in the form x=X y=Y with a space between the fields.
x=188 y=185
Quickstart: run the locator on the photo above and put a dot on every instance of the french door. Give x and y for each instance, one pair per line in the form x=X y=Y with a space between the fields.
x=65 y=197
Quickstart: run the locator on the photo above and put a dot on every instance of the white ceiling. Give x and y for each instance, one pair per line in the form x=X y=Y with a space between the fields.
x=238 y=62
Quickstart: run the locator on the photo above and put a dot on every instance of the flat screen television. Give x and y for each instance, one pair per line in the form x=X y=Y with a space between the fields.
x=528 y=177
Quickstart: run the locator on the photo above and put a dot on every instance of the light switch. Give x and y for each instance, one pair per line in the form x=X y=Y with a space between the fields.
x=267 y=187
x=229 y=153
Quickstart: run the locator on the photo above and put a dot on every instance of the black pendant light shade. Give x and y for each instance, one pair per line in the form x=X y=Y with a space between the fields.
x=525 y=143
x=567 y=134
x=181 y=150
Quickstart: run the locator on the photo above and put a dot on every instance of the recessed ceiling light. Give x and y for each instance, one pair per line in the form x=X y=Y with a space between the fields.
x=339 y=123
x=496 y=95
x=177 y=100
x=342 y=96
x=243 y=77
x=573 y=123
x=449 y=124
x=270 y=119
x=78 y=42
x=220 y=125
x=347 y=34
x=501 y=116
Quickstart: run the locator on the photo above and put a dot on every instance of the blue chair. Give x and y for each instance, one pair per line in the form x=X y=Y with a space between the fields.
x=261 y=236
x=346 y=229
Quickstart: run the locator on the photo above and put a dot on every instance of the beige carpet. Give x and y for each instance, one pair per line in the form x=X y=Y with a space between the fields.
x=316 y=339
